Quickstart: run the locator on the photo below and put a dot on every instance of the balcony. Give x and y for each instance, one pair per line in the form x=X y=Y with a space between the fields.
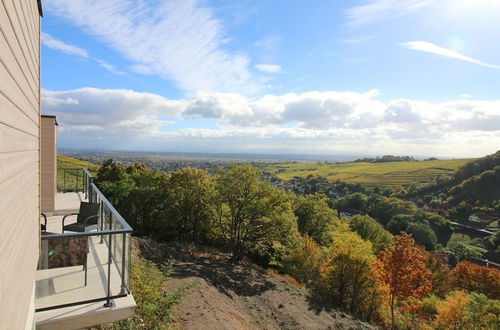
x=83 y=277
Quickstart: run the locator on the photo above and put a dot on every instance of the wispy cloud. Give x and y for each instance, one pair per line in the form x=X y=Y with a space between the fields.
x=270 y=68
x=429 y=47
x=377 y=10
x=181 y=41
x=59 y=45
x=56 y=44
x=107 y=66
x=358 y=40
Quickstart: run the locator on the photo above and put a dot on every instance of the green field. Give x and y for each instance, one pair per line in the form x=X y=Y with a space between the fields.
x=71 y=179
x=370 y=174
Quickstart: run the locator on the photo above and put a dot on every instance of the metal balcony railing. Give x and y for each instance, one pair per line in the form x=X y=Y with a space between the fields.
x=80 y=268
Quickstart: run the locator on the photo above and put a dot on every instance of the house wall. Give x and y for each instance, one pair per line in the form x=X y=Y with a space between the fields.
x=48 y=164
x=19 y=159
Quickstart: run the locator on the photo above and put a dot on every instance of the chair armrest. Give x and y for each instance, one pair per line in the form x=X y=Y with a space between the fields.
x=67 y=215
x=44 y=219
x=91 y=217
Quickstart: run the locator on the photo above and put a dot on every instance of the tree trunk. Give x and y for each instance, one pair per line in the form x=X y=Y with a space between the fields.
x=393 y=326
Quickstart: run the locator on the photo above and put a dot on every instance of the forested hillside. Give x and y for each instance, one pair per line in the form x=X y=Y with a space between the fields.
x=386 y=265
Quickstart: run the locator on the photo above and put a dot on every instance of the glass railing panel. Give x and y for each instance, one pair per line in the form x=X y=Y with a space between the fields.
x=70 y=179
x=76 y=268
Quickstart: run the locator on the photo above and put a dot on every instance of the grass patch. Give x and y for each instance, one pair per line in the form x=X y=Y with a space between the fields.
x=69 y=180
x=154 y=306
x=459 y=238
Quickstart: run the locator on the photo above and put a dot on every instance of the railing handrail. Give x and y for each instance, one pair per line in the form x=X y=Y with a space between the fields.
x=86 y=233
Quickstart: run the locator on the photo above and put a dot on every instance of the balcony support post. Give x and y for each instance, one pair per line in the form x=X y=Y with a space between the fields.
x=101 y=219
x=108 y=300
x=123 y=263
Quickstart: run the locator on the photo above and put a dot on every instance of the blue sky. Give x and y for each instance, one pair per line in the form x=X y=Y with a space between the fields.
x=418 y=77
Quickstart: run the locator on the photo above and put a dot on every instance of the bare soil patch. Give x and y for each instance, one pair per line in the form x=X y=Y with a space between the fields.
x=224 y=295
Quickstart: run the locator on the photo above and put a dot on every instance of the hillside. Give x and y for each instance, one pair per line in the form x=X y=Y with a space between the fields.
x=370 y=174
x=218 y=294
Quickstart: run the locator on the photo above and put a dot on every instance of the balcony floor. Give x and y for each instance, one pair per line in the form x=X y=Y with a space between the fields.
x=65 y=285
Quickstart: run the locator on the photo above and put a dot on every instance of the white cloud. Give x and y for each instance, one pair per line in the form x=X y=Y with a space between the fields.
x=56 y=44
x=177 y=40
x=429 y=47
x=315 y=121
x=377 y=10
x=111 y=110
x=270 y=68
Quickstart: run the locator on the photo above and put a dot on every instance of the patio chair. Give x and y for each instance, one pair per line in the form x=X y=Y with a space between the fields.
x=43 y=226
x=86 y=220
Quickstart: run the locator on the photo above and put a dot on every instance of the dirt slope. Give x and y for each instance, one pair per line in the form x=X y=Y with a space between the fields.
x=222 y=295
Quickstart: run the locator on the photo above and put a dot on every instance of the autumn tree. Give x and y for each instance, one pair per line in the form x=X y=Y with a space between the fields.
x=346 y=273
x=315 y=218
x=450 y=312
x=404 y=270
x=472 y=277
x=253 y=216
x=461 y=310
x=305 y=261
x=438 y=266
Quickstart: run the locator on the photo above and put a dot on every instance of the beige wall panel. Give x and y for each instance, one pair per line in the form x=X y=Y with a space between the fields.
x=12 y=140
x=19 y=159
x=20 y=27
x=15 y=289
x=10 y=61
x=12 y=92
x=13 y=163
x=11 y=32
x=14 y=118
x=7 y=33
x=24 y=11
x=17 y=195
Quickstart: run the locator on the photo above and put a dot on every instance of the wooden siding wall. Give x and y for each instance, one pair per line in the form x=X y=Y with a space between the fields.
x=48 y=164
x=19 y=159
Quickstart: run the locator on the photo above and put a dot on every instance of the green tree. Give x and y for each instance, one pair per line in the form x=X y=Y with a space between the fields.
x=357 y=201
x=385 y=209
x=145 y=205
x=423 y=235
x=253 y=216
x=315 y=218
x=190 y=194
x=370 y=230
x=110 y=171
